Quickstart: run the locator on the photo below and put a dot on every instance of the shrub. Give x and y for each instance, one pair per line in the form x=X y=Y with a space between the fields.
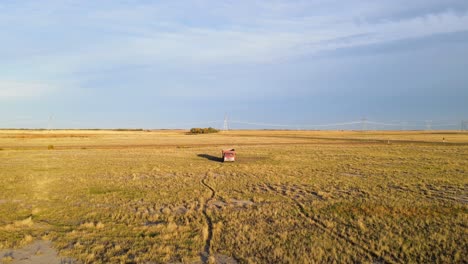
x=207 y=130
x=196 y=131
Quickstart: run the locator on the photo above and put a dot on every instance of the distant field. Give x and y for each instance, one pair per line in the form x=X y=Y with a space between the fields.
x=291 y=197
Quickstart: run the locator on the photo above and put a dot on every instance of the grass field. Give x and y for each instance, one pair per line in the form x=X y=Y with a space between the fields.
x=291 y=197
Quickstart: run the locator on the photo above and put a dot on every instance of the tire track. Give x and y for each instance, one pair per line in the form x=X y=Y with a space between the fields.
x=333 y=234
x=435 y=195
x=206 y=249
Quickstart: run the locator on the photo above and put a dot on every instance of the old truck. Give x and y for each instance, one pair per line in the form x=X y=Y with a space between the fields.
x=229 y=154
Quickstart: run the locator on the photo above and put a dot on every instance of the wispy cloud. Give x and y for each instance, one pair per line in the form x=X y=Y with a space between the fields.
x=106 y=49
x=133 y=41
x=24 y=89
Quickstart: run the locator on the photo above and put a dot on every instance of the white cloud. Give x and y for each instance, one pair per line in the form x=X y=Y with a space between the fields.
x=190 y=46
x=197 y=46
x=119 y=35
x=21 y=89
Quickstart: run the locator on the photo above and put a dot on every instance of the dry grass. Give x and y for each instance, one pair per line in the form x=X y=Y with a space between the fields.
x=292 y=196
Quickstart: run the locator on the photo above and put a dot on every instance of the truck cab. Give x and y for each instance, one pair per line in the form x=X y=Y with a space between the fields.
x=229 y=155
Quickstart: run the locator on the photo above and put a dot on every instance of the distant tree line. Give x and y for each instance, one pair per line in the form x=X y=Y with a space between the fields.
x=208 y=130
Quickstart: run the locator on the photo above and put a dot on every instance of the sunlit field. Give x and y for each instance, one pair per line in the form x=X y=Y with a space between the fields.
x=291 y=196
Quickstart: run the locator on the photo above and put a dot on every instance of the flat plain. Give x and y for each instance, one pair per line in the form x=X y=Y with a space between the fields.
x=100 y=196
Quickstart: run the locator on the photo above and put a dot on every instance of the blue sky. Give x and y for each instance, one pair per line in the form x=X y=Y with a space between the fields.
x=158 y=64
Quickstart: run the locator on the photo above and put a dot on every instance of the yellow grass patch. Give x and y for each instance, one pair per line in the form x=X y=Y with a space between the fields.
x=291 y=196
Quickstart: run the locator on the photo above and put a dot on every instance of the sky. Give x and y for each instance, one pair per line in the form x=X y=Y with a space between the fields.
x=265 y=64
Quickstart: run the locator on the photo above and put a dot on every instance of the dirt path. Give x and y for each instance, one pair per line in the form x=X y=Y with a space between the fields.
x=377 y=257
x=207 y=256
x=206 y=249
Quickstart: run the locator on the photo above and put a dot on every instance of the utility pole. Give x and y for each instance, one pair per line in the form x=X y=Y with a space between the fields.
x=464 y=125
x=364 y=124
x=49 y=125
x=428 y=124
x=226 y=123
x=403 y=125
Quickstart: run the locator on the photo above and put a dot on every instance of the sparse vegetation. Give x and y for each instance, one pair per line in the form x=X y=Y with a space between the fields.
x=291 y=196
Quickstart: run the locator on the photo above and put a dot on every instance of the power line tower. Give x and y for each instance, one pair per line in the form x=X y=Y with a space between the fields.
x=49 y=125
x=226 y=123
x=364 y=124
x=428 y=124
x=464 y=125
x=403 y=125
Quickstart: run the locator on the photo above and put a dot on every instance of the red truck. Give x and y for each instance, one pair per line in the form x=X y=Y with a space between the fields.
x=229 y=155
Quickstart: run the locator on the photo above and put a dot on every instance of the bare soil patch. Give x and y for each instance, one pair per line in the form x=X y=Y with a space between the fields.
x=230 y=203
x=37 y=252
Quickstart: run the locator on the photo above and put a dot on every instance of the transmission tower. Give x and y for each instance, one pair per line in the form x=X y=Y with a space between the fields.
x=464 y=125
x=403 y=125
x=428 y=124
x=226 y=123
x=364 y=124
x=49 y=125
